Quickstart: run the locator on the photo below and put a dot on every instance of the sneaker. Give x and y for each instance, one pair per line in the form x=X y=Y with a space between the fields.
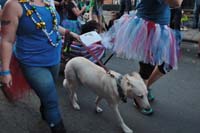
x=150 y=96
x=58 y=128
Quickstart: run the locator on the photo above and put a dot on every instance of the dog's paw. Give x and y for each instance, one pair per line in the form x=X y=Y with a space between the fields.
x=75 y=97
x=126 y=129
x=99 y=110
x=76 y=106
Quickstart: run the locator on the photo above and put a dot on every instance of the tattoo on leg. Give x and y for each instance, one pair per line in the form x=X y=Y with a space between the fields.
x=5 y=22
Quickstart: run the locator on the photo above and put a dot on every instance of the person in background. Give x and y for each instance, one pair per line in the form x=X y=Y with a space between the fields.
x=125 y=6
x=196 y=14
x=83 y=3
x=2 y=2
x=96 y=12
x=71 y=13
x=85 y=15
x=175 y=20
x=198 y=53
x=32 y=27
x=146 y=36
x=58 y=5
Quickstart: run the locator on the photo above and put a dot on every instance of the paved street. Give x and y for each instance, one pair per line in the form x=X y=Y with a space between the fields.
x=177 y=106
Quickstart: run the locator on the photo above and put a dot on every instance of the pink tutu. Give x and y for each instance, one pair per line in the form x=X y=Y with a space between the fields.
x=132 y=37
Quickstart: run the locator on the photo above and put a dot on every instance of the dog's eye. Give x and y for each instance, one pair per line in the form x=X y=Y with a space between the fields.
x=129 y=84
x=141 y=96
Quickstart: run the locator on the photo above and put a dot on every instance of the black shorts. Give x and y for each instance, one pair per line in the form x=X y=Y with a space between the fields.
x=147 y=69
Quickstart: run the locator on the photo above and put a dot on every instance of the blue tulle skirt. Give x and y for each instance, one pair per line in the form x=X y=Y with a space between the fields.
x=72 y=25
x=132 y=37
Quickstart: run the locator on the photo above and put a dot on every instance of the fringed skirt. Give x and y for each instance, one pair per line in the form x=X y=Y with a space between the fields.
x=72 y=25
x=132 y=37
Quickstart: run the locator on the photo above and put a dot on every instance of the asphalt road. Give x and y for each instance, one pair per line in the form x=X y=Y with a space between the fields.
x=177 y=104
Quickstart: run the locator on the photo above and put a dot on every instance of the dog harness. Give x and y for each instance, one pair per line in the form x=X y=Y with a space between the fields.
x=120 y=90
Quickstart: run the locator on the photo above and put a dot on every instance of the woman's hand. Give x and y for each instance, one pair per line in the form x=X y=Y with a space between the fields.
x=7 y=80
x=84 y=7
x=74 y=35
x=63 y=31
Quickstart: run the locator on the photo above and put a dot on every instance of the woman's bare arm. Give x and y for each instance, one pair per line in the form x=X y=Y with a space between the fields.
x=9 y=23
x=174 y=3
x=78 y=12
x=62 y=31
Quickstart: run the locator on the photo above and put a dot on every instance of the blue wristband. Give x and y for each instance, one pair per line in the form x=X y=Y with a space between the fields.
x=3 y=73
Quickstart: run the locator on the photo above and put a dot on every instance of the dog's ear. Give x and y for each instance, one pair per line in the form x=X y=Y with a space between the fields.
x=128 y=79
x=135 y=74
x=135 y=79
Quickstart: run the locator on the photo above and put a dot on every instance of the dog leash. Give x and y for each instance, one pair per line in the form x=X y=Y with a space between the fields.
x=118 y=81
x=95 y=57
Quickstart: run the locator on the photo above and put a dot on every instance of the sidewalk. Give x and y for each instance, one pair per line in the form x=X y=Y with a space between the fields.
x=191 y=35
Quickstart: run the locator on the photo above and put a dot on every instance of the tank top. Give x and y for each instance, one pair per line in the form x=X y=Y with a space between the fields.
x=32 y=45
x=154 y=10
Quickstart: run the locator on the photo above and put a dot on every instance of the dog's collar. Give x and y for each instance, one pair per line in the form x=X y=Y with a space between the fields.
x=120 y=90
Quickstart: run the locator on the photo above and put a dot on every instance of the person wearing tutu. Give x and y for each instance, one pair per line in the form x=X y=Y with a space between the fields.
x=33 y=25
x=145 y=36
x=71 y=13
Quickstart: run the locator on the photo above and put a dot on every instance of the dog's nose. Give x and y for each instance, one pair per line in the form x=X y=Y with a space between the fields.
x=148 y=108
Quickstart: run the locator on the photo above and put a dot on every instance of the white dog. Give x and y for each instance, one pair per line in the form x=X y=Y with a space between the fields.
x=111 y=86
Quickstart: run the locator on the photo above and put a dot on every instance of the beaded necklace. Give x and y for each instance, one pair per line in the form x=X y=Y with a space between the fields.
x=41 y=24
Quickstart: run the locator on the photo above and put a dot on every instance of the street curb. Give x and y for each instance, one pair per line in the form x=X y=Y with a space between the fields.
x=191 y=41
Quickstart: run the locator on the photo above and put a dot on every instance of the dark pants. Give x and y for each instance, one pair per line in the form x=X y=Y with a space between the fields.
x=125 y=5
x=175 y=21
x=147 y=69
x=196 y=16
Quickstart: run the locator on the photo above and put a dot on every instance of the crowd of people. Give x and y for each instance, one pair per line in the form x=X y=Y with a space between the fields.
x=32 y=30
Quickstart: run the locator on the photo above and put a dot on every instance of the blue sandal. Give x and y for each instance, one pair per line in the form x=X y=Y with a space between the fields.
x=150 y=96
